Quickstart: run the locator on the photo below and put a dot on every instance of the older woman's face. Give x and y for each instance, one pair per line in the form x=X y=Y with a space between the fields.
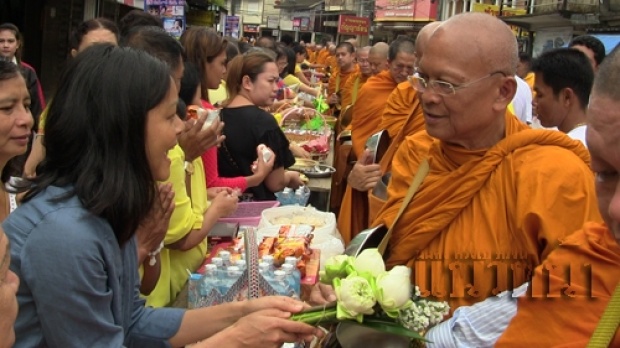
x=9 y=283
x=15 y=118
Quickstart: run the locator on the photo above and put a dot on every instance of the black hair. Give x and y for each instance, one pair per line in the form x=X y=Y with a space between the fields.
x=92 y=24
x=593 y=44
x=299 y=49
x=287 y=39
x=402 y=44
x=525 y=58
x=291 y=59
x=244 y=47
x=8 y=71
x=156 y=42
x=232 y=48
x=347 y=45
x=96 y=134
x=138 y=18
x=18 y=36
x=566 y=68
x=189 y=84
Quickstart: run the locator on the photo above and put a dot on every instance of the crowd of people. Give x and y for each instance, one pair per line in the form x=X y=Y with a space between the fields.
x=121 y=187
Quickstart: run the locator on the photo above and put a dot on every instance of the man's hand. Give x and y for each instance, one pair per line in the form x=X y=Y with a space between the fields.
x=364 y=175
x=195 y=141
x=322 y=294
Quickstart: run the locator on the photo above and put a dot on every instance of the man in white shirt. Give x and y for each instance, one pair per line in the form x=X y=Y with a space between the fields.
x=522 y=101
x=564 y=79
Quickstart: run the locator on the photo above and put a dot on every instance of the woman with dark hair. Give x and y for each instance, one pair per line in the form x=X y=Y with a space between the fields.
x=11 y=43
x=252 y=84
x=73 y=242
x=287 y=72
x=15 y=128
x=90 y=32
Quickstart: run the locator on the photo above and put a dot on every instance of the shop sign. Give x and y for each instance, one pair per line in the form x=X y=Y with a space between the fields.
x=493 y=10
x=250 y=28
x=231 y=26
x=273 y=22
x=171 y=12
x=351 y=25
x=405 y=10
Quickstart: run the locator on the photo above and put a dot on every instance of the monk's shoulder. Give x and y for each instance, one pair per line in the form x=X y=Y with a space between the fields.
x=549 y=160
x=418 y=143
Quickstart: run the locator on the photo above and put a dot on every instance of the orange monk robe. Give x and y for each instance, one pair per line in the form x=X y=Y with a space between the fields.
x=512 y=202
x=549 y=318
x=367 y=111
x=311 y=55
x=332 y=63
x=351 y=90
x=400 y=104
x=402 y=116
x=322 y=55
x=338 y=80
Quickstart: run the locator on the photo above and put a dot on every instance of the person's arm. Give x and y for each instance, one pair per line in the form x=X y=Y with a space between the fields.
x=300 y=75
x=479 y=325
x=150 y=275
x=37 y=154
x=209 y=159
x=309 y=90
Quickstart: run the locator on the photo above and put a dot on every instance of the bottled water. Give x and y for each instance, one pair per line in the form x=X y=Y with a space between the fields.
x=280 y=285
x=193 y=292
x=263 y=269
x=210 y=281
x=268 y=259
x=225 y=255
x=229 y=278
x=241 y=264
x=217 y=261
x=292 y=280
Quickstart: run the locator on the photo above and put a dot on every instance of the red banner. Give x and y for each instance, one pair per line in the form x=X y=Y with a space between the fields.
x=351 y=25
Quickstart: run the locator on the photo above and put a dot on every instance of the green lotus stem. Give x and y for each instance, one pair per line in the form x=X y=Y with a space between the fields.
x=316 y=316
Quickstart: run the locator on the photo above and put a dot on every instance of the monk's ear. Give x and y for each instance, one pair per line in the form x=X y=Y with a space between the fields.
x=506 y=92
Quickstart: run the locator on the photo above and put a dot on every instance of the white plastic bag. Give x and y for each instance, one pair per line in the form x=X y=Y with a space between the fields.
x=326 y=236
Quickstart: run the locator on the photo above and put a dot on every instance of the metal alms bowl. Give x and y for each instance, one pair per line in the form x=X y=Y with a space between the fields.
x=353 y=335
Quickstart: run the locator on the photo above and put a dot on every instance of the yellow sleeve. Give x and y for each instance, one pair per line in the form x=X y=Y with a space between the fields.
x=290 y=80
x=183 y=218
x=200 y=204
x=297 y=69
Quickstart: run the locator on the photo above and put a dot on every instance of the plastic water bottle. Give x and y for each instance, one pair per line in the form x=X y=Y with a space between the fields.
x=193 y=290
x=291 y=279
x=217 y=261
x=241 y=264
x=228 y=280
x=280 y=285
x=210 y=282
x=291 y=260
x=263 y=269
x=225 y=255
x=268 y=259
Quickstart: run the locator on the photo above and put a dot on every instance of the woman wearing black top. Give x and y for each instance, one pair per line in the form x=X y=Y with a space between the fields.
x=251 y=84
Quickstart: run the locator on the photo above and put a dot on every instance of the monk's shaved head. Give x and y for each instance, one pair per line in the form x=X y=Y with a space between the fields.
x=380 y=49
x=401 y=45
x=364 y=50
x=501 y=52
x=378 y=57
x=363 y=62
x=422 y=39
x=606 y=81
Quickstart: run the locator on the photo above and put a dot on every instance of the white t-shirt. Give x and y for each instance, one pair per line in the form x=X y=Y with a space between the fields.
x=522 y=101
x=579 y=133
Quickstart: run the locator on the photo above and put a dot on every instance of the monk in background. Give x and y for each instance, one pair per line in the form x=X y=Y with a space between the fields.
x=496 y=189
x=345 y=55
x=553 y=310
x=378 y=57
x=358 y=79
x=366 y=117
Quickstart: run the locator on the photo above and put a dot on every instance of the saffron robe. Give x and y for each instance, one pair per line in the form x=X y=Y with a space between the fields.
x=353 y=216
x=568 y=312
x=350 y=92
x=338 y=81
x=400 y=105
x=511 y=202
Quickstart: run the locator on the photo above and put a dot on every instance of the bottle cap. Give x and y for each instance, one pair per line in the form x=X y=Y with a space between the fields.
x=279 y=275
x=217 y=261
x=268 y=259
x=263 y=266
x=225 y=254
x=211 y=268
x=195 y=276
x=291 y=260
x=233 y=271
x=288 y=268
x=240 y=263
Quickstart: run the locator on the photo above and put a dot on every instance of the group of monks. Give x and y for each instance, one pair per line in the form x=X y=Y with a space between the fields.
x=502 y=205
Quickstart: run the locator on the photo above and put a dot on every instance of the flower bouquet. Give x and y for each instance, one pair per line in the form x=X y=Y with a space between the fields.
x=379 y=299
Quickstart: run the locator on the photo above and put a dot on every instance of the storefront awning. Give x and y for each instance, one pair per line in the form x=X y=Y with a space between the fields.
x=297 y=4
x=536 y=22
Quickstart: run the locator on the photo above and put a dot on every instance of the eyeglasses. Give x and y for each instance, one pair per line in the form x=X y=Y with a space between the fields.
x=421 y=84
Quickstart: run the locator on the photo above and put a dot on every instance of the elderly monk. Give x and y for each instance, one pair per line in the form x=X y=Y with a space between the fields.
x=366 y=117
x=357 y=80
x=569 y=308
x=498 y=195
x=345 y=55
x=378 y=57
